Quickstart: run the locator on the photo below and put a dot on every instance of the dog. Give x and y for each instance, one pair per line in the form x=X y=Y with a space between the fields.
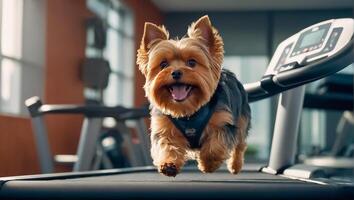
x=198 y=110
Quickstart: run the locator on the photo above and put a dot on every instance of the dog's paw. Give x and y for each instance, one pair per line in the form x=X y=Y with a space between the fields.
x=235 y=166
x=235 y=170
x=169 y=169
x=209 y=166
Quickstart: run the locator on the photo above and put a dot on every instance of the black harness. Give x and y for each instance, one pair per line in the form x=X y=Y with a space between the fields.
x=193 y=126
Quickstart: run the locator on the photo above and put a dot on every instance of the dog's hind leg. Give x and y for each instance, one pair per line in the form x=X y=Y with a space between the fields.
x=235 y=162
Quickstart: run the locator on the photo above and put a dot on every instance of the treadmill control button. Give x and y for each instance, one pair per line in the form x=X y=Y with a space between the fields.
x=283 y=57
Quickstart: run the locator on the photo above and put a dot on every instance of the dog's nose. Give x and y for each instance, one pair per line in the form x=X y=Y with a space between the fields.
x=177 y=74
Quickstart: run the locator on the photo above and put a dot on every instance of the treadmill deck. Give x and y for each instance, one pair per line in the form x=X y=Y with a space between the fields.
x=146 y=183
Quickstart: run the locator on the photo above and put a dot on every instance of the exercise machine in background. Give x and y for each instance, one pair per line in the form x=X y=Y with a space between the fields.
x=95 y=151
x=335 y=93
x=313 y=53
x=100 y=146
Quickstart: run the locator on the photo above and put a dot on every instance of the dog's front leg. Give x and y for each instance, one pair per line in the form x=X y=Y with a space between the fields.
x=168 y=148
x=213 y=152
x=168 y=156
x=214 y=149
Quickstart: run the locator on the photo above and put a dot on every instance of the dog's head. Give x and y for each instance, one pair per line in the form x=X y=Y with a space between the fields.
x=181 y=75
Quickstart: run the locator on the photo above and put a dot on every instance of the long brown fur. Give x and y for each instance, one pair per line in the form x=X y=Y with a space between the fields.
x=170 y=149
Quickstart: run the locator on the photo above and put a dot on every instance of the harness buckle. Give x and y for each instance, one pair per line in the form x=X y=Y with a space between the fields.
x=190 y=132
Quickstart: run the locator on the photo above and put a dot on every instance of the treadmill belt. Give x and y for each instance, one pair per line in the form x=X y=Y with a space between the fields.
x=190 y=184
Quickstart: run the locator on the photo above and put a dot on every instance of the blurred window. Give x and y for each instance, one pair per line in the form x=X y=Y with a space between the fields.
x=119 y=51
x=21 y=68
x=250 y=69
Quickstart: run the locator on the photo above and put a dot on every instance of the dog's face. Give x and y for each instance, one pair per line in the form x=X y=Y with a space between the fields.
x=181 y=75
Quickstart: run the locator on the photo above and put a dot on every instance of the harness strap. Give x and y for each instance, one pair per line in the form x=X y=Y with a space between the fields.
x=192 y=127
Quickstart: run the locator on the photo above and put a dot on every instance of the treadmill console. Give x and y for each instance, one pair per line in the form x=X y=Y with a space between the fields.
x=311 y=44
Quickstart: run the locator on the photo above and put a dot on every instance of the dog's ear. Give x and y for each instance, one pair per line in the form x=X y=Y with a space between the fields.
x=203 y=30
x=152 y=35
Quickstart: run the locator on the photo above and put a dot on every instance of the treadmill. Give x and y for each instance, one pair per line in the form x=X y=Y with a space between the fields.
x=311 y=54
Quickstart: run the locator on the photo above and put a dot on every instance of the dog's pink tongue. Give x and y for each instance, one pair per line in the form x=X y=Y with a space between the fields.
x=179 y=92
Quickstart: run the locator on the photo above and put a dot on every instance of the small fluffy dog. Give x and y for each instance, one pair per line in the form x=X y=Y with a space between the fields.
x=197 y=108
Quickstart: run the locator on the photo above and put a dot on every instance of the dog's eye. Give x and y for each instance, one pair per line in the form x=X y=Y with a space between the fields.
x=191 y=63
x=164 y=64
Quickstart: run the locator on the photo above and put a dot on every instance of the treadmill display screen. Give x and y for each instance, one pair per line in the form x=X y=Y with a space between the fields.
x=312 y=38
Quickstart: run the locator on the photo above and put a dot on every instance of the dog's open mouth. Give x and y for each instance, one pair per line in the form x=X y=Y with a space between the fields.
x=180 y=91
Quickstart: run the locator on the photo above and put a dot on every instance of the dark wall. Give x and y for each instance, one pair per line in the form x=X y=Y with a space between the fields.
x=253 y=32
x=244 y=33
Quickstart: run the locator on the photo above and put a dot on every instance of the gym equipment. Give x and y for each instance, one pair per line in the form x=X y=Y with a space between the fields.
x=90 y=133
x=300 y=59
x=111 y=143
x=95 y=73
x=309 y=55
x=335 y=93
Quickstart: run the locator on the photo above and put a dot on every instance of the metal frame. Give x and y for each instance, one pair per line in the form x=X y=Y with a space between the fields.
x=345 y=124
x=286 y=130
x=43 y=150
x=144 y=140
x=87 y=144
x=88 y=150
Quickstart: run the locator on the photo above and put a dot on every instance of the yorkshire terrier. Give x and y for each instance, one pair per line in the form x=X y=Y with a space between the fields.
x=198 y=110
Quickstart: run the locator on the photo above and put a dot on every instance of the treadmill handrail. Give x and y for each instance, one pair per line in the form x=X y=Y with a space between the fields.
x=36 y=108
x=118 y=112
x=286 y=80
